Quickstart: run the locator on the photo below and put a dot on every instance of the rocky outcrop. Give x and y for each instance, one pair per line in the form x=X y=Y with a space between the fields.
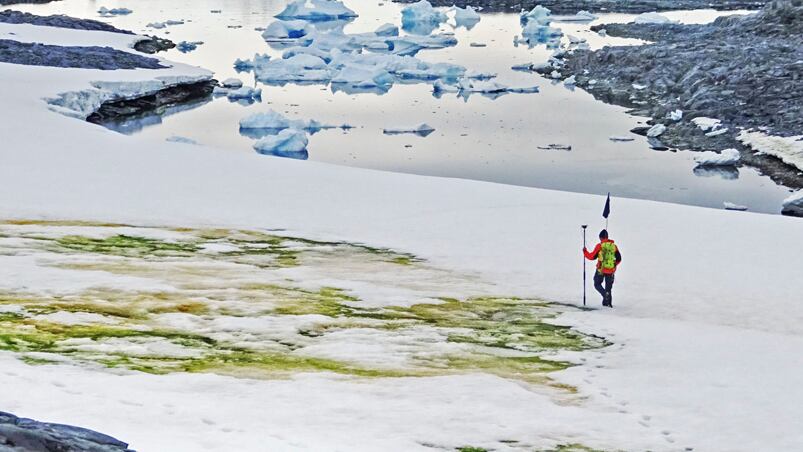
x=22 y=2
x=173 y=95
x=746 y=71
x=153 y=44
x=61 y=21
x=104 y=58
x=26 y=435
x=622 y=6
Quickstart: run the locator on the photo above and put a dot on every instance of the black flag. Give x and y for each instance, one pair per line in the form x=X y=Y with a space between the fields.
x=607 y=210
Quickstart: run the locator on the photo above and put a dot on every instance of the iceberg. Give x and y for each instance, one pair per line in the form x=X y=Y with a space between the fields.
x=653 y=18
x=188 y=46
x=363 y=76
x=271 y=120
x=728 y=157
x=539 y=15
x=287 y=141
x=465 y=17
x=245 y=93
x=284 y=30
x=422 y=129
x=536 y=29
x=422 y=18
x=316 y=10
x=387 y=30
x=581 y=16
x=106 y=12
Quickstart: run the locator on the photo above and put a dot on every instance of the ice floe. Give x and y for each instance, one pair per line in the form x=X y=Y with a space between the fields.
x=314 y=10
x=422 y=129
x=465 y=17
x=728 y=157
x=245 y=92
x=536 y=29
x=422 y=18
x=652 y=18
x=286 y=143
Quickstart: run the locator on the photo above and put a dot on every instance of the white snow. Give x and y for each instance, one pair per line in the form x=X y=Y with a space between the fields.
x=286 y=141
x=700 y=346
x=316 y=10
x=675 y=115
x=788 y=149
x=727 y=157
x=652 y=18
x=656 y=130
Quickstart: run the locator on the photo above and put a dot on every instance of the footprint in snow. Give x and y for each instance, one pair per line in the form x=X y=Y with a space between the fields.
x=208 y=421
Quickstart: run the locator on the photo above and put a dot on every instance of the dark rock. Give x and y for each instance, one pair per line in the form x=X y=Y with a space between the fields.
x=623 y=6
x=153 y=44
x=656 y=145
x=174 y=95
x=20 y=434
x=105 y=58
x=742 y=70
x=16 y=17
x=23 y=2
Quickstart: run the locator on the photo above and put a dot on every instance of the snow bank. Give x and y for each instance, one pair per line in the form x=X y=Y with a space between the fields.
x=653 y=18
x=314 y=10
x=788 y=149
x=728 y=157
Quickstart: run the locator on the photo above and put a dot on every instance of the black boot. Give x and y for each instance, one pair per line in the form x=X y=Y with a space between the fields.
x=608 y=300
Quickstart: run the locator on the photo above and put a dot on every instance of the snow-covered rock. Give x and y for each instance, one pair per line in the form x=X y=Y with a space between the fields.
x=652 y=18
x=109 y=12
x=286 y=141
x=656 y=130
x=422 y=129
x=314 y=10
x=728 y=157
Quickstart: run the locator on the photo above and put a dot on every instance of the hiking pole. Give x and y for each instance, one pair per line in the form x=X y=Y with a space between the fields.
x=584 y=226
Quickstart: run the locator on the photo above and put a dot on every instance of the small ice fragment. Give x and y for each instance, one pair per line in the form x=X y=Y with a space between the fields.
x=465 y=17
x=728 y=157
x=571 y=81
x=675 y=115
x=316 y=10
x=440 y=87
x=282 y=30
x=245 y=93
x=652 y=18
x=478 y=44
x=422 y=129
x=187 y=46
x=581 y=16
x=793 y=205
x=215 y=11
x=706 y=124
x=732 y=206
x=717 y=132
x=387 y=30
x=603 y=32
x=232 y=83
x=656 y=130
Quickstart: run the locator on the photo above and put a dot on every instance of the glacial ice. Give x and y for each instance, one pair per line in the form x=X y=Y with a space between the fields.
x=188 y=46
x=465 y=17
x=245 y=93
x=283 y=30
x=652 y=18
x=107 y=12
x=287 y=141
x=581 y=16
x=728 y=157
x=422 y=18
x=316 y=10
x=387 y=30
x=536 y=29
x=232 y=83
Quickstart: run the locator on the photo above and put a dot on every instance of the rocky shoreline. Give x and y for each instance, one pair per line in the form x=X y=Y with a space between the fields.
x=21 y=434
x=745 y=71
x=609 y=6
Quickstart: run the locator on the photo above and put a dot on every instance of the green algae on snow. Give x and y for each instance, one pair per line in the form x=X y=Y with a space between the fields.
x=126 y=245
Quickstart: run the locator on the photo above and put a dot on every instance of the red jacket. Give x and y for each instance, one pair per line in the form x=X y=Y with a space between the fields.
x=595 y=253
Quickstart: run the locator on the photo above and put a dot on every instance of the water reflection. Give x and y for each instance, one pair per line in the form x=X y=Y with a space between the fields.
x=723 y=172
x=297 y=155
x=133 y=124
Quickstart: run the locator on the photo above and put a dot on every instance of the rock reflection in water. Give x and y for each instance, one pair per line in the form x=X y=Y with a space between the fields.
x=723 y=172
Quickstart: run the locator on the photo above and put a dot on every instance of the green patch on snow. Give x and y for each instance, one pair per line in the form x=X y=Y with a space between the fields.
x=573 y=447
x=126 y=245
x=471 y=449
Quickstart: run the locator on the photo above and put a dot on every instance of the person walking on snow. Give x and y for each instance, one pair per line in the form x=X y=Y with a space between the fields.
x=608 y=259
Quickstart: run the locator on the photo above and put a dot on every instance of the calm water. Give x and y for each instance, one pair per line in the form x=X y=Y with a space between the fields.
x=486 y=139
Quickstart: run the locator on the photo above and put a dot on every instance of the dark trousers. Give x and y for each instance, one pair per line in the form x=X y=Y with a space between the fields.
x=608 y=279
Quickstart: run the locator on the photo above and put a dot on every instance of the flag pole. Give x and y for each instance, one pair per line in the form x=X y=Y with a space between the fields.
x=584 y=263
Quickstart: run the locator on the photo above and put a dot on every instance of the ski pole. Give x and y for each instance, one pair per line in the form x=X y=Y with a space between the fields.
x=584 y=263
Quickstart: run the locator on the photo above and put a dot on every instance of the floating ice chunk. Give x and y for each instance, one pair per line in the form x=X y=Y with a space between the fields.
x=188 y=46
x=286 y=141
x=717 y=132
x=220 y=90
x=232 y=83
x=215 y=11
x=656 y=130
x=477 y=44
x=160 y=25
x=465 y=17
x=732 y=206
x=602 y=32
x=387 y=30
x=271 y=120
x=539 y=15
x=283 y=30
x=481 y=86
x=363 y=76
x=571 y=81
x=178 y=139
x=422 y=13
x=575 y=40
x=675 y=115
x=439 y=87
x=245 y=93
x=523 y=89
x=652 y=18
x=174 y=22
x=249 y=65
x=316 y=10
x=534 y=33
x=581 y=16
x=728 y=157
x=620 y=138
x=793 y=205
x=106 y=12
x=422 y=129
x=479 y=75
x=706 y=124
x=314 y=51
